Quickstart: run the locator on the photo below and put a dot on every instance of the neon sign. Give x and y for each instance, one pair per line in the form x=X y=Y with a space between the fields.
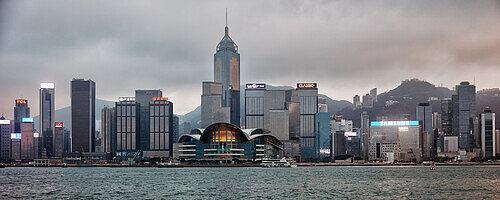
x=256 y=86
x=47 y=85
x=4 y=121
x=15 y=136
x=27 y=119
x=307 y=85
x=394 y=123
x=59 y=124
x=20 y=102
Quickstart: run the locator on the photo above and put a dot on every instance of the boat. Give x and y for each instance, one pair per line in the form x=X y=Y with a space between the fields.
x=433 y=166
x=283 y=162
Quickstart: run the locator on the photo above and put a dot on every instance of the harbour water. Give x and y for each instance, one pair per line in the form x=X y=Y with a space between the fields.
x=334 y=182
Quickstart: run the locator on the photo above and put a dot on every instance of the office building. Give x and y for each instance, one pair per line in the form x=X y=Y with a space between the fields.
x=403 y=138
x=424 y=116
x=367 y=101
x=322 y=130
x=224 y=142
x=143 y=98
x=108 y=129
x=15 y=146
x=161 y=126
x=47 y=117
x=227 y=73
x=365 y=134
x=446 y=116
x=58 y=139
x=322 y=106
x=373 y=94
x=466 y=113
x=211 y=105
x=450 y=144
x=308 y=98
x=488 y=136
x=127 y=120
x=254 y=105
x=83 y=115
x=436 y=121
x=21 y=110
x=338 y=123
x=175 y=128
x=338 y=144
x=353 y=144
x=356 y=101
x=28 y=145
x=6 y=127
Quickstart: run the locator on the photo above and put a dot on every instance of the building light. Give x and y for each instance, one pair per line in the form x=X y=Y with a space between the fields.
x=4 y=121
x=47 y=85
x=27 y=119
x=15 y=136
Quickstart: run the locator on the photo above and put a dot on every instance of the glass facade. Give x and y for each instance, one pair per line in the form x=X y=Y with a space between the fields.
x=160 y=125
x=308 y=98
x=126 y=125
x=47 y=119
x=83 y=115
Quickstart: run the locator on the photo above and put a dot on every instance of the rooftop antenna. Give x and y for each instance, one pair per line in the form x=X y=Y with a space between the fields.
x=226 y=17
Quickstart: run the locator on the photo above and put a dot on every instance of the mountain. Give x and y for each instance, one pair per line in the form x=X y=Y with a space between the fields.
x=194 y=117
x=64 y=114
x=401 y=101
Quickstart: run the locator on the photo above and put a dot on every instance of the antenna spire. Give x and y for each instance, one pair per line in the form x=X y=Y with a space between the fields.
x=226 y=17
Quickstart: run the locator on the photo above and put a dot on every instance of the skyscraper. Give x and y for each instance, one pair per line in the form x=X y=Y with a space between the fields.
x=424 y=116
x=227 y=72
x=488 y=136
x=127 y=120
x=20 y=111
x=58 y=139
x=144 y=97
x=6 y=127
x=27 y=140
x=466 y=113
x=322 y=129
x=175 y=128
x=447 y=116
x=108 y=129
x=83 y=115
x=47 y=117
x=365 y=134
x=367 y=101
x=308 y=97
x=254 y=105
x=161 y=122
x=356 y=101
x=373 y=94
x=211 y=109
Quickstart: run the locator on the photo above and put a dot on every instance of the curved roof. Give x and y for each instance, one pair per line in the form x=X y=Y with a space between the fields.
x=249 y=134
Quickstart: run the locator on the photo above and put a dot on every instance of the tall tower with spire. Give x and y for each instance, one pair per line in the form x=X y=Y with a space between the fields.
x=227 y=72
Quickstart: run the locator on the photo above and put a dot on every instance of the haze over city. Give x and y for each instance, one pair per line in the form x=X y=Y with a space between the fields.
x=346 y=47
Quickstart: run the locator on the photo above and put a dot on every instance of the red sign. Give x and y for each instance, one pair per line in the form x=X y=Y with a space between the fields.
x=59 y=124
x=20 y=102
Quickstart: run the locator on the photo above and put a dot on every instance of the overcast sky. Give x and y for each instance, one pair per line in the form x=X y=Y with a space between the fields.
x=347 y=47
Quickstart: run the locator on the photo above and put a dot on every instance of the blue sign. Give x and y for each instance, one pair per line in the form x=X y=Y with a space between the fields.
x=395 y=123
x=129 y=154
x=27 y=119
x=15 y=136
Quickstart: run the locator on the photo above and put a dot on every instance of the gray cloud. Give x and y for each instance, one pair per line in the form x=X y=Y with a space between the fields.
x=347 y=47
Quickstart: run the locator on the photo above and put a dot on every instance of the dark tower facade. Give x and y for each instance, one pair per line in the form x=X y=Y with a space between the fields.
x=83 y=115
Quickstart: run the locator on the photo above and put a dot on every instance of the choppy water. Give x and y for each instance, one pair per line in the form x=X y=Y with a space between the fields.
x=468 y=182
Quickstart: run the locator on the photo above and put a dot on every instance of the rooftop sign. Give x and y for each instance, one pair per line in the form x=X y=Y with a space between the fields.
x=15 y=136
x=307 y=85
x=394 y=123
x=27 y=119
x=59 y=124
x=4 y=121
x=47 y=85
x=160 y=99
x=126 y=99
x=20 y=102
x=255 y=86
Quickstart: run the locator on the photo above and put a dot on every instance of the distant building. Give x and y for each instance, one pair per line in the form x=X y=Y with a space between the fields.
x=367 y=101
x=15 y=146
x=254 y=105
x=175 y=128
x=373 y=94
x=338 y=123
x=47 y=117
x=58 y=139
x=338 y=144
x=356 y=101
x=403 y=138
x=365 y=134
x=211 y=105
x=446 y=116
x=127 y=124
x=20 y=111
x=83 y=115
x=450 y=144
x=6 y=128
x=108 y=129
x=187 y=128
x=143 y=98
x=466 y=113
x=322 y=106
x=322 y=129
x=28 y=146
x=308 y=97
x=488 y=136
x=162 y=127
x=424 y=116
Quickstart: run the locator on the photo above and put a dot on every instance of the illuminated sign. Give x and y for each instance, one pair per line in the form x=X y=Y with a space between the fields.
x=350 y=134
x=126 y=99
x=403 y=128
x=20 y=102
x=27 y=119
x=160 y=99
x=307 y=85
x=15 y=136
x=59 y=124
x=4 y=121
x=47 y=85
x=129 y=154
x=394 y=123
x=256 y=86
x=36 y=135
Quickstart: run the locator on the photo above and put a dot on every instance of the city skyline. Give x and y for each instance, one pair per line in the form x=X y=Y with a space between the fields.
x=152 y=53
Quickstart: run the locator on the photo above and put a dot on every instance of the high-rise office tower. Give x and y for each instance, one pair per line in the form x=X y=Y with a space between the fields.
x=27 y=139
x=446 y=116
x=83 y=115
x=58 y=139
x=227 y=72
x=454 y=115
x=322 y=106
x=466 y=113
x=373 y=94
x=20 y=111
x=322 y=129
x=488 y=136
x=367 y=101
x=47 y=117
x=308 y=97
x=365 y=134
x=254 y=105
x=144 y=97
x=127 y=120
x=211 y=109
x=175 y=128
x=356 y=101
x=6 y=128
x=161 y=122
x=424 y=116
x=108 y=129
x=436 y=121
